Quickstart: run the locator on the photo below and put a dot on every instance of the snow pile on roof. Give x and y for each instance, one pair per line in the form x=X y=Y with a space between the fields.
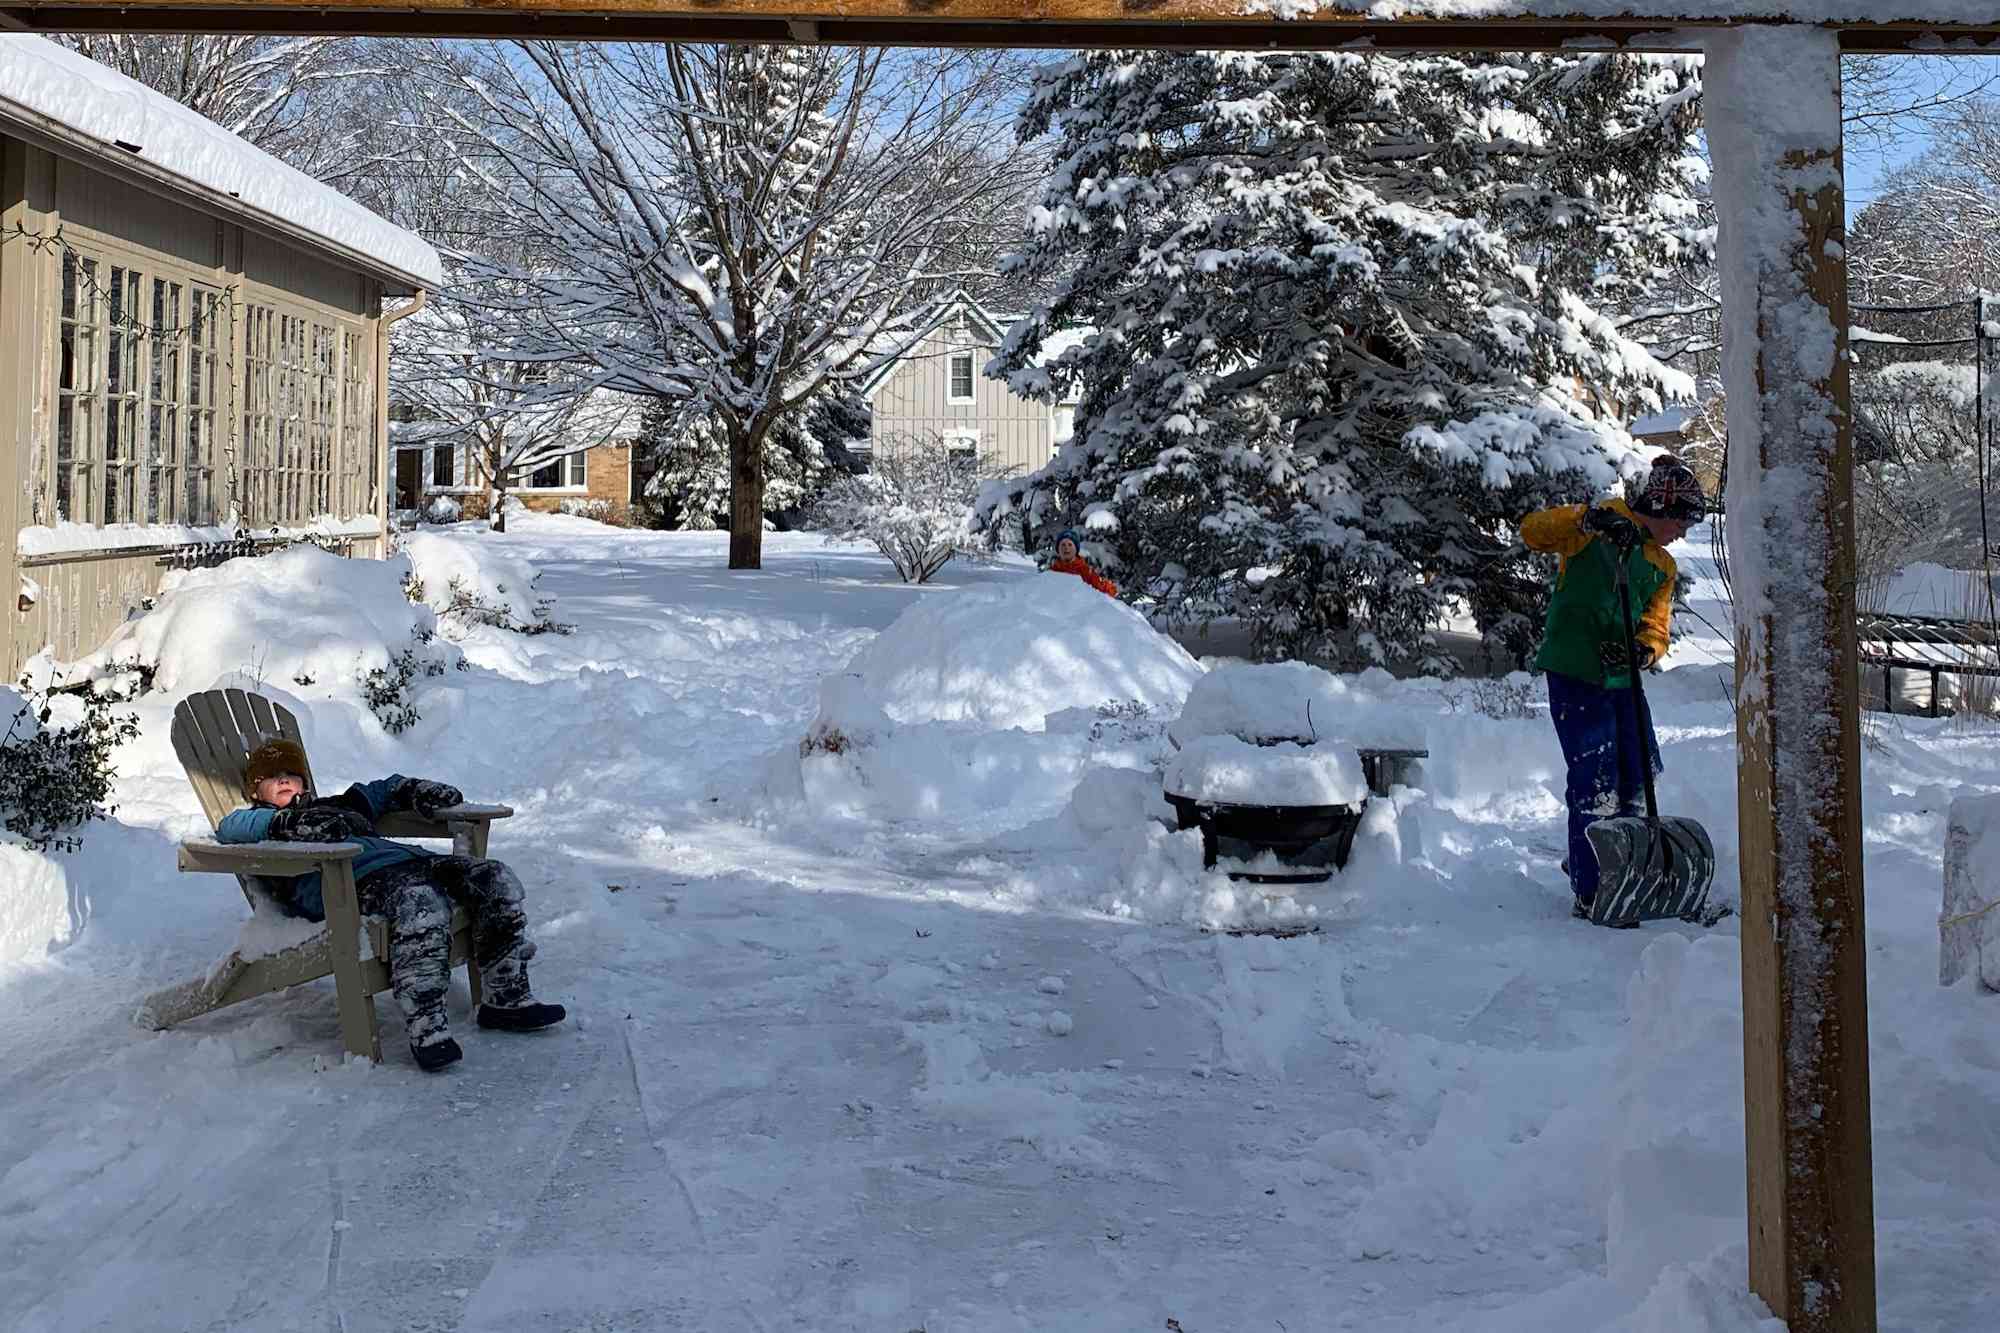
x=1295 y=701
x=51 y=81
x=1669 y=421
x=478 y=580
x=309 y=623
x=1008 y=658
x=1227 y=769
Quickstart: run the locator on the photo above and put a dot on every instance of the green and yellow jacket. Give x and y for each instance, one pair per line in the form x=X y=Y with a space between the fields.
x=1584 y=613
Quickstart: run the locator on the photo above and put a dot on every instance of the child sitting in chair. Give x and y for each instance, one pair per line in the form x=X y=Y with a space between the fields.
x=413 y=887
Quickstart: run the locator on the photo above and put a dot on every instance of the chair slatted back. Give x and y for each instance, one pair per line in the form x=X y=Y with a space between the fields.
x=214 y=733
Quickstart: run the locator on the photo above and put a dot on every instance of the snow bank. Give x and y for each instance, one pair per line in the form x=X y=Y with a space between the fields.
x=1224 y=768
x=39 y=79
x=297 y=619
x=456 y=564
x=34 y=906
x=1008 y=658
x=1295 y=701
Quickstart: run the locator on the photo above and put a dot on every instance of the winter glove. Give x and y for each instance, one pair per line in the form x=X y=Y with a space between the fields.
x=1612 y=657
x=1614 y=527
x=427 y=797
x=319 y=822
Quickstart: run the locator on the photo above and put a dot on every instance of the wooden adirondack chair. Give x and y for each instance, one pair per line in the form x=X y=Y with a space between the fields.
x=213 y=734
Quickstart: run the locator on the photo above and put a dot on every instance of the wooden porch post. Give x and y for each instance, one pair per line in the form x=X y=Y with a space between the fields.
x=1773 y=107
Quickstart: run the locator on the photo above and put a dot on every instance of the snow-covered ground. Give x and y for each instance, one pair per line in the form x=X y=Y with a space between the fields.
x=920 y=1030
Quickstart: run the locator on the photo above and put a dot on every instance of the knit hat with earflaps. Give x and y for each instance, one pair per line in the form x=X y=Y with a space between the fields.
x=272 y=758
x=1671 y=491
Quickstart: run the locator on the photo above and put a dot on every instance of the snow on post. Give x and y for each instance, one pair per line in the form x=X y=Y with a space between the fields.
x=1773 y=115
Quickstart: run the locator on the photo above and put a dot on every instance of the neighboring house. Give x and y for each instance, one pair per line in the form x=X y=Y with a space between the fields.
x=602 y=473
x=938 y=387
x=1694 y=431
x=193 y=354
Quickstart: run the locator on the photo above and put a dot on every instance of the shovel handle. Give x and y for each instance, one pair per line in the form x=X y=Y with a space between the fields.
x=1640 y=712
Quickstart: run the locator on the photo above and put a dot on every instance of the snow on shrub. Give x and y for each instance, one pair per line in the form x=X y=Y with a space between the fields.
x=298 y=618
x=599 y=510
x=55 y=761
x=912 y=506
x=469 y=579
x=442 y=509
x=1008 y=657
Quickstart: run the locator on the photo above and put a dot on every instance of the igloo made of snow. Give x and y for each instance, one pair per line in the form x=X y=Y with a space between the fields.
x=1006 y=658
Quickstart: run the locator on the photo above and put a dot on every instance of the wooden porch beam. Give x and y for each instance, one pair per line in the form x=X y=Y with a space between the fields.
x=1772 y=98
x=1211 y=24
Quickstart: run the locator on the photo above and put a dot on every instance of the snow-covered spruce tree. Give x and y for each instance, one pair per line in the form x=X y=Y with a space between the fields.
x=733 y=228
x=1341 y=324
x=685 y=460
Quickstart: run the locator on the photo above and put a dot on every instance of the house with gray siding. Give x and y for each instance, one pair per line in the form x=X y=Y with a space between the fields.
x=193 y=349
x=938 y=388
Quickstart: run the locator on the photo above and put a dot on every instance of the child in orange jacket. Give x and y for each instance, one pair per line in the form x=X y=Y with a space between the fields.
x=1069 y=561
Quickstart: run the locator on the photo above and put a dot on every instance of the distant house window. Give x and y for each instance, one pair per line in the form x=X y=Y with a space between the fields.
x=960 y=390
x=563 y=474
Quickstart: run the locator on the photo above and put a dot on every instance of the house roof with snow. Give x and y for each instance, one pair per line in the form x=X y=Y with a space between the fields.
x=995 y=325
x=72 y=104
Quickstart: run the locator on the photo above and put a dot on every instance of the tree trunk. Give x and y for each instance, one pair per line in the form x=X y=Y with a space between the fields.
x=746 y=497
x=496 y=506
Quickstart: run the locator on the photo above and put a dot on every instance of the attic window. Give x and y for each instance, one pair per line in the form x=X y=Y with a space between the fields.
x=960 y=388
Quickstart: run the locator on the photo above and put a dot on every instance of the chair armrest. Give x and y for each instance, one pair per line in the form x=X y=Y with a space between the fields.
x=263 y=858
x=410 y=824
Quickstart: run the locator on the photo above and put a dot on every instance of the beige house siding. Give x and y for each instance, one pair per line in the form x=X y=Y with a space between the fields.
x=914 y=400
x=302 y=442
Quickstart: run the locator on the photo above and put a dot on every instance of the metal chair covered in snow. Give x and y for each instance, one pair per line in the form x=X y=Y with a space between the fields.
x=214 y=733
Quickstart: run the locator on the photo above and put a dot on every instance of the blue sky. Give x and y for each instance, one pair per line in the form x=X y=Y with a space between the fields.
x=1868 y=164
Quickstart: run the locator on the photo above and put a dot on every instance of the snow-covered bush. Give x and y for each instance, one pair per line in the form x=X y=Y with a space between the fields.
x=55 y=763
x=387 y=689
x=470 y=581
x=600 y=510
x=912 y=506
x=442 y=509
x=297 y=615
x=1339 y=324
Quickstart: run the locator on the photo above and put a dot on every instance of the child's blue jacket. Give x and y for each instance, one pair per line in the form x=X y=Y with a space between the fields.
x=300 y=895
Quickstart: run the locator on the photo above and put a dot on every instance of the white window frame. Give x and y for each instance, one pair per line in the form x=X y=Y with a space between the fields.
x=576 y=476
x=951 y=378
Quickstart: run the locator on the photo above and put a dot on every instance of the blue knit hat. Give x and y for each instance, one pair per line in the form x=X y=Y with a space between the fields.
x=1070 y=534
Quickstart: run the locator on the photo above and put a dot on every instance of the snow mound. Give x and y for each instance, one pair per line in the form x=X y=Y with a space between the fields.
x=454 y=566
x=297 y=618
x=1006 y=659
x=1225 y=768
x=34 y=906
x=1295 y=701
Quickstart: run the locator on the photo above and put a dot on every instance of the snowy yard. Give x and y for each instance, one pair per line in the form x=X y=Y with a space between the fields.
x=908 y=1038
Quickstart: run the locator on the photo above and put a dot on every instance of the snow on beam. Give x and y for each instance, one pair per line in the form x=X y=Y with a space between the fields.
x=1413 y=25
x=1772 y=106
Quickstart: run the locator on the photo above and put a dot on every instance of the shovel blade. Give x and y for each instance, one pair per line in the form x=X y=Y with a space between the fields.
x=1650 y=869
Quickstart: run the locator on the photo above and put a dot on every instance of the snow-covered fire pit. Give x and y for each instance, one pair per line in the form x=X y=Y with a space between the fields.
x=1253 y=769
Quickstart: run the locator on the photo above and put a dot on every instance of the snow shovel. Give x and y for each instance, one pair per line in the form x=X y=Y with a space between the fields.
x=1649 y=869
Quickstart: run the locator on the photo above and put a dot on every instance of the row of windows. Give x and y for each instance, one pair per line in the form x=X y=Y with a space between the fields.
x=451 y=470
x=145 y=397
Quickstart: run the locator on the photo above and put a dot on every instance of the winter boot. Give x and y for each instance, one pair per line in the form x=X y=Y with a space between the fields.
x=435 y=1055
x=521 y=1017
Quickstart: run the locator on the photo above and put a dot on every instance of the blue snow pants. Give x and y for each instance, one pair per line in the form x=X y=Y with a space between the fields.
x=1599 y=730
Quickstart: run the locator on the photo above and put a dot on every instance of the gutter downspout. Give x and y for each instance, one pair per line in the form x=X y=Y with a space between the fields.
x=382 y=451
